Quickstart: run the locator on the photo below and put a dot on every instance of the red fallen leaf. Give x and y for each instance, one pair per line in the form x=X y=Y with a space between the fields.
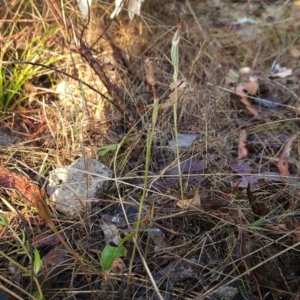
x=187 y=166
x=258 y=209
x=283 y=160
x=45 y=239
x=242 y=150
x=28 y=189
x=191 y=171
x=252 y=178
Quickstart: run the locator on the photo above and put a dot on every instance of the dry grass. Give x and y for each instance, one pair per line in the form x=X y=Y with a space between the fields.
x=219 y=244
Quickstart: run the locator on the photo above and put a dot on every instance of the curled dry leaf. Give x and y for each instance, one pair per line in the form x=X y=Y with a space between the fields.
x=28 y=189
x=242 y=150
x=196 y=200
x=283 y=160
x=241 y=91
x=193 y=202
x=258 y=209
x=185 y=203
x=295 y=52
x=251 y=86
x=150 y=77
x=181 y=87
x=118 y=266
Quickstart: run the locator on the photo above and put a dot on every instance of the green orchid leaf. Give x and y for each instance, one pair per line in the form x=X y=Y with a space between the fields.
x=109 y=254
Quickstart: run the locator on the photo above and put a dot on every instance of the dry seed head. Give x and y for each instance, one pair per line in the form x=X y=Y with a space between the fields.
x=177 y=34
x=150 y=77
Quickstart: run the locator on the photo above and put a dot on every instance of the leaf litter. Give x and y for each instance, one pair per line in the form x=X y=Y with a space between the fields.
x=239 y=167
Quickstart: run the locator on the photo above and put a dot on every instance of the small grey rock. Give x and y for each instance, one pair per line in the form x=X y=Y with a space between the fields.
x=69 y=187
x=184 y=141
x=227 y=292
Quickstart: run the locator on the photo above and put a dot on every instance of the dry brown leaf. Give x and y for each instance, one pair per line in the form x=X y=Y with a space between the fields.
x=258 y=209
x=118 y=266
x=251 y=87
x=187 y=166
x=150 y=77
x=53 y=263
x=184 y=204
x=181 y=87
x=28 y=189
x=242 y=150
x=276 y=228
x=251 y=179
x=45 y=239
x=283 y=164
x=295 y=52
x=240 y=91
x=194 y=202
x=240 y=167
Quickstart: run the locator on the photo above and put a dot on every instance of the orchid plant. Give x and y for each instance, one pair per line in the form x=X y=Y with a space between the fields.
x=134 y=7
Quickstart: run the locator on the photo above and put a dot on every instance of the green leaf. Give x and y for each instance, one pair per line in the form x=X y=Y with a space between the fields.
x=23 y=238
x=252 y=227
x=105 y=149
x=37 y=262
x=109 y=254
x=3 y=220
x=126 y=238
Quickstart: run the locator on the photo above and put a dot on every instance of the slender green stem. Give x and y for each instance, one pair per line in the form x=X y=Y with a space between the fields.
x=175 y=62
x=147 y=163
